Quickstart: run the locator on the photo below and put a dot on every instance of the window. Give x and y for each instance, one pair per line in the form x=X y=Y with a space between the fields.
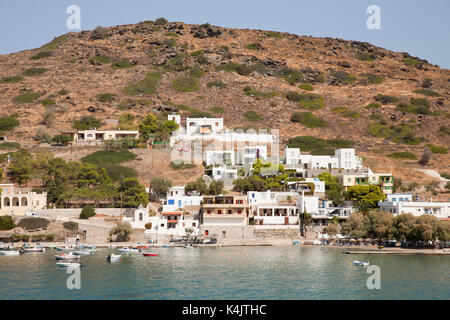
x=208 y=211
x=349 y=180
x=219 y=212
x=229 y=212
x=217 y=124
x=171 y=201
x=194 y=224
x=239 y=211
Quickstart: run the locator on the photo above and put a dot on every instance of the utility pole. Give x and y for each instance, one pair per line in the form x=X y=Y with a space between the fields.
x=121 y=217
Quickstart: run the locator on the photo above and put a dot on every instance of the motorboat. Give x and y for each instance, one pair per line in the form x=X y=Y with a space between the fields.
x=67 y=256
x=9 y=253
x=83 y=252
x=150 y=254
x=114 y=257
x=129 y=250
x=361 y=263
x=66 y=248
x=142 y=247
x=66 y=264
x=317 y=242
x=297 y=242
x=189 y=246
x=32 y=249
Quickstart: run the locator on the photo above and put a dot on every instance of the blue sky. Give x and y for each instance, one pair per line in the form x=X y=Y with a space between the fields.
x=421 y=28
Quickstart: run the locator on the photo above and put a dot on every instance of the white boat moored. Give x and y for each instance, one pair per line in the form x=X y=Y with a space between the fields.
x=67 y=264
x=360 y=263
x=114 y=257
x=9 y=253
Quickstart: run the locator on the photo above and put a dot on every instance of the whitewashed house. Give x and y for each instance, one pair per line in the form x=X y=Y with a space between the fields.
x=18 y=201
x=394 y=205
x=343 y=158
x=175 y=118
x=273 y=208
x=95 y=137
x=177 y=199
x=224 y=172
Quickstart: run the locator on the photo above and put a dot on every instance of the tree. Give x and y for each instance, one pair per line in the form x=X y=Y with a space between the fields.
x=332 y=229
x=402 y=226
x=160 y=186
x=8 y=123
x=198 y=185
x=333 y=189
x=215 y=187
x=425 y=158
x=62 y=139
x=354 y=226
x=425 y=227
x=148 y=125
x=87 y=123
x=370 y=194
x=132 y=193
x=304 y=221
x=378 y=224
x=20 y=169
x=122 y=231
x=87 y=212
x=252 y=183
x=7 y=223
x=48 y=118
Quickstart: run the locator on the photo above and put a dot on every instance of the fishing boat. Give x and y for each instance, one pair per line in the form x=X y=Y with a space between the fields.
x=9 y=253
x=150 y=254
x=189 y=246
x=129 y=250
x=67 y=256
x=32 y=249
x=360 y=263
x=297 y=242
x=83 y=252
x=114 y=257
x=142 y=247
x=66 y=264
x=66 y=248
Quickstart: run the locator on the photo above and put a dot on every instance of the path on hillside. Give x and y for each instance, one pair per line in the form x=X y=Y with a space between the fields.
x=433 y=173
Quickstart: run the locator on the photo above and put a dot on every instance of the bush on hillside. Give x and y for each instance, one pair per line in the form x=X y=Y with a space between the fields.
x=33 y=223
x=87 y=212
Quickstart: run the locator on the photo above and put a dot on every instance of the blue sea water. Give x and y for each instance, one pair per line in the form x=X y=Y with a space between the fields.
x=278 y=273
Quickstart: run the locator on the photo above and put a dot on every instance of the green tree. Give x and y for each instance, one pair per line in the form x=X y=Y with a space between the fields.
x=87 y=212
x=354 y=226
x=20 y=169
x=8 y=123
x=402 y=226
x=215 y=187
x=148 y=125
x=371 y=195
x=378 y=224
x=332 y=229
x=7 y=223
x=304 y=221
x=132 y=193
x=122 y=231
x=198 y=185
x=62 y=139
x=160 y=186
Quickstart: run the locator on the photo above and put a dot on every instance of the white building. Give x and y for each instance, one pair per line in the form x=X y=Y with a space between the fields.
x=273 y=208
x=219 y=157
x=168 y=223
x=95 y=136
x=224 y=172
x=319 y=185
x=177 y=199
x=175 y=118
x=203 y=126
x=396 y=206
x=342 y=159
x=18 y=201
x=252 y=153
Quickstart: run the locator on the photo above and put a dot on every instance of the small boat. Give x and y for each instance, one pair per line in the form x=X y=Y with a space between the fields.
x=142 y=247
x=66 y=248
x=189 y=246
x=317 y=242
x=83 y=252
x=31 y=249
x=67 y=256
x=150 y=254
x=129 y=250
x=297 y=242
x=9 y=253
x=66 y=264
x=114 y=257
x=360 y=263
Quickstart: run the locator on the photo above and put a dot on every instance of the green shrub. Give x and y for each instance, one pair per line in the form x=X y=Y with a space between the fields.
x=122 y=64
x=274 y=34
x=9 y=145
x=34 y=71
x=216 y=83
x=87 y=123
x=290 y=75
x=161 y=21
x=437 y=149
x=426 y=92
x=196 y=72
x=7 y=223
x=101 y=157
x=373 y=106
x=118 y=172
x=319 y=146
x=254 y=46
x=445 y=175
x=55 y=43
x=345 y=112
x=8 y=123
x=309 y=101
x=342 y=77
x=27 y=97
x=306 y=86
x=185 y=84
x=412 y=61
x=385 y=99
x=419 y=102
x=402 y=155
x=373 y=78
x=105 y=97
x=42 y=54
x=241 y=69
x=87 y=212
x=308 y=119
x=217 y=110
x=255 y=93
x=444 y=130
x=364 y=56
x=33 y=223
x=62 y=139
x=197 y=53
x=62 y=92
x=181 y=165
x=146 y=86
x=12 y=79
x=251 y=115
x=402 y=133
x=415 y=109
x=194 y=113
x=100 y=59
x=70 y=225
x=344 y=64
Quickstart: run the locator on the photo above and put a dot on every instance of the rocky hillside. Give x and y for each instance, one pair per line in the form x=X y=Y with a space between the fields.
x=382 y=101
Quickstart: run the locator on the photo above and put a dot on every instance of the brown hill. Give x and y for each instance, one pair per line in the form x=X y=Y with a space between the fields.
x=152 y=66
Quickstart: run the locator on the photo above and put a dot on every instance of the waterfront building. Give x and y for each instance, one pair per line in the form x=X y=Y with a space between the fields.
x=273 y=208
x=384 y=180
x=17 y=201
x=344 y=158
x=177 y=199
x=225 y=210
x=395 y=206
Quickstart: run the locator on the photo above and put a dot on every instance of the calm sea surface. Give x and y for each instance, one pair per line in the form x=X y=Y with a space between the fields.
x=227 y=273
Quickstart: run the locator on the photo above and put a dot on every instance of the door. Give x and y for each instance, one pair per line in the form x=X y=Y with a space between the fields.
x=286 y=220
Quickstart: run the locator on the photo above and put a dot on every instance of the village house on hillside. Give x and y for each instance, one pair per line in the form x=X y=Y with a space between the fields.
x=17 y=201
x=97 y=137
